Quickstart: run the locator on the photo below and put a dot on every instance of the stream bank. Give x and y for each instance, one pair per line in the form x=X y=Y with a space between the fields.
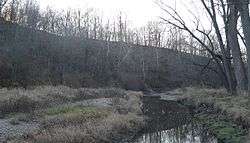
x=114 y=115
x=227 y=117
x=62 y=114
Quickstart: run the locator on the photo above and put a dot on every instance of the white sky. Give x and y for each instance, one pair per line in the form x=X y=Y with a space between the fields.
x=138 y=12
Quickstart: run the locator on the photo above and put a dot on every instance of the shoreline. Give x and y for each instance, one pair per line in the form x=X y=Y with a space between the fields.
x=213 y=106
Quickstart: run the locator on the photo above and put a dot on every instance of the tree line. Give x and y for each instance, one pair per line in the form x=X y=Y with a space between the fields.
x=220 y=44
x=89 y=25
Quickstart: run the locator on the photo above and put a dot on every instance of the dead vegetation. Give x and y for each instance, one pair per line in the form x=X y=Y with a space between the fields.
x=237 y=107
x=64 y=121
x=21 y=100
x=97 y=130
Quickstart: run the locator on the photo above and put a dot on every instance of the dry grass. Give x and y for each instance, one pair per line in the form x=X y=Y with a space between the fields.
x=79 y=124
x=17 y=104
x=88 y=93
x=101 y=131
x=235 y=106
x=67 y=116
x=21 y=100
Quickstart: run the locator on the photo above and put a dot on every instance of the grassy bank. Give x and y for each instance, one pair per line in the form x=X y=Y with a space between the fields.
x=67 y=115
x=21 y=100
x=226 y=116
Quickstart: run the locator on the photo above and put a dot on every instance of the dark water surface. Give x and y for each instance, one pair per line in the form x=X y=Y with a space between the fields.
x=170 y=122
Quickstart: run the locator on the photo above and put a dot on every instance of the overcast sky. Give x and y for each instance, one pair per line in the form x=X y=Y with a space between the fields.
x=138 y=12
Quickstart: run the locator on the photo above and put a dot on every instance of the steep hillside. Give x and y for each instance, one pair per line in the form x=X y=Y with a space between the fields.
x=29 y=57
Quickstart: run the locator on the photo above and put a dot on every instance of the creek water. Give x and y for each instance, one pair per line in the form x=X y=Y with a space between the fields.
x=170 y=122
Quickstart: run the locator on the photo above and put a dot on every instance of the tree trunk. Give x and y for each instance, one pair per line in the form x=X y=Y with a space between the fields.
x=245 y=19
x=225 y=52
x=226 y=59
x=233 y=43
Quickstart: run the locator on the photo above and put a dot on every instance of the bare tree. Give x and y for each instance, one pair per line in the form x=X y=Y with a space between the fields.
x=231 y=21
x=2 y=4
x=226 y=57
x=223 y=60
x=32 y=13
x=13 y=10
x=243 y=6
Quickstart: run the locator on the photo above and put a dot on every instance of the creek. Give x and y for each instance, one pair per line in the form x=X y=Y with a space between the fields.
x=171 y=122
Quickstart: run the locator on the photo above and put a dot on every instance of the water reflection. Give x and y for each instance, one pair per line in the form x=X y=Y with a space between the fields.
x=171 y=123
x=192 y=133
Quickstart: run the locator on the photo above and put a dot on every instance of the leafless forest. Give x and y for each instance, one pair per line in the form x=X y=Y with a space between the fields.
x=75 y=69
